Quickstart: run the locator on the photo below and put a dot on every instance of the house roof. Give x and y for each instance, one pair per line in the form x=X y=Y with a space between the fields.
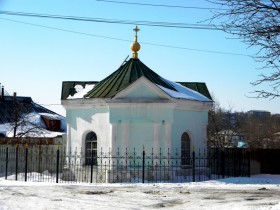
x=129 y=72
x=9 y=106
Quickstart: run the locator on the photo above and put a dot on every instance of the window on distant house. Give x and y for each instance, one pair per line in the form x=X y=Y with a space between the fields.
x=185 y=149
x=51 y=124
x=91 y=148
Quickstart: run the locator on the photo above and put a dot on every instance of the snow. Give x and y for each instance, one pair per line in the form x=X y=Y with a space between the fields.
x=34 y=120
x=257 y=192
x=80 y=91
x=183 y=92
x=4 y=127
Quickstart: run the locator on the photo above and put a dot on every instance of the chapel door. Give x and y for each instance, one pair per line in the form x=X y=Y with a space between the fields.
x=91 y=148
x=185 y=149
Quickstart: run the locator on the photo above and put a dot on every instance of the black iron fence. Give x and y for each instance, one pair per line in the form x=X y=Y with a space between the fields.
x=44 y=163
x=268 y=159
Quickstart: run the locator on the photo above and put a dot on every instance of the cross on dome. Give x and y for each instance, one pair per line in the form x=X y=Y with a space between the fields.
x=136 y=29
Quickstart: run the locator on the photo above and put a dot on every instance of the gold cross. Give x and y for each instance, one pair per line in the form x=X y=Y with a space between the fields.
x=136 y=30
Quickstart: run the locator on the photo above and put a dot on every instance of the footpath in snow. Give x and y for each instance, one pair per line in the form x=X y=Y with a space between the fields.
x=257 y=192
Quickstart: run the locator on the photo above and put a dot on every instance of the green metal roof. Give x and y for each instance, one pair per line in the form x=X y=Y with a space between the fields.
x=129 y=72
x=197 y=86
x=68 y=87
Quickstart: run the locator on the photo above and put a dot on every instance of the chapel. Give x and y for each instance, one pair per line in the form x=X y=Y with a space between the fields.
x=134 y=108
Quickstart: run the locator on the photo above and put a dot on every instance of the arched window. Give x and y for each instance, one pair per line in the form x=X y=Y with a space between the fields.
x=91 y=148
x=185 y=149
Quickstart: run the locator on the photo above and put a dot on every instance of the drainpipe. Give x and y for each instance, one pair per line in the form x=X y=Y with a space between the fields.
x=2 y=95
x=15 y=97
x=16 y=115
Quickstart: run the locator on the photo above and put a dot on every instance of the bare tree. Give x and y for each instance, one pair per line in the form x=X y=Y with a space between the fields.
x=227 y=129
x=223 y=128
x=260 y=131
x=256 y=23
x=25 y=122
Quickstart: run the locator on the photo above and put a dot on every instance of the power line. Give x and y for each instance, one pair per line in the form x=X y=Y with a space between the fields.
x=65 y=30
x=115 y=21
x=125 y=40
x=198 y=50
x=161 y=5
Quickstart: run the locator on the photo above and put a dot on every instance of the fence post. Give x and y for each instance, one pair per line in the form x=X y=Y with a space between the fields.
x=16 y=162
x=249 y=164
x=57 y=164
x=143 y=166
x=91 y=166
x=193 y=166
x=240 y=158
x=234 y=164
x=26 y=162
x=223 y=163
x=7 y=160
x=217 y=162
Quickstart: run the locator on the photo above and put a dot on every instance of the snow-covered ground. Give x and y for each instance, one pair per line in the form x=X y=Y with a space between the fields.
x=257 y=192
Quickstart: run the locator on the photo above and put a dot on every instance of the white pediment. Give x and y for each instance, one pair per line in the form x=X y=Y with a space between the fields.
x=142 y=89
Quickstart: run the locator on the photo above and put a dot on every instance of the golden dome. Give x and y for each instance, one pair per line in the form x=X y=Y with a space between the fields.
x=135 y=46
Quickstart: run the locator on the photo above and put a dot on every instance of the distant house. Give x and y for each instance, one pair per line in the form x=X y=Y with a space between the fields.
x=231 y=139
x=21 y=117
x=277 y=139
x=277 y=135
x=135 y=108
x=271 y=143
x=258 y=113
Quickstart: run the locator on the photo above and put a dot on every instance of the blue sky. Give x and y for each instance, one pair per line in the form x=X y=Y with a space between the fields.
x=36 y=59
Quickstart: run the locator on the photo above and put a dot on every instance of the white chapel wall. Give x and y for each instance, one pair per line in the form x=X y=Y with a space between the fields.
x=83 y=121
x=140 y=125
x=195 y=124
